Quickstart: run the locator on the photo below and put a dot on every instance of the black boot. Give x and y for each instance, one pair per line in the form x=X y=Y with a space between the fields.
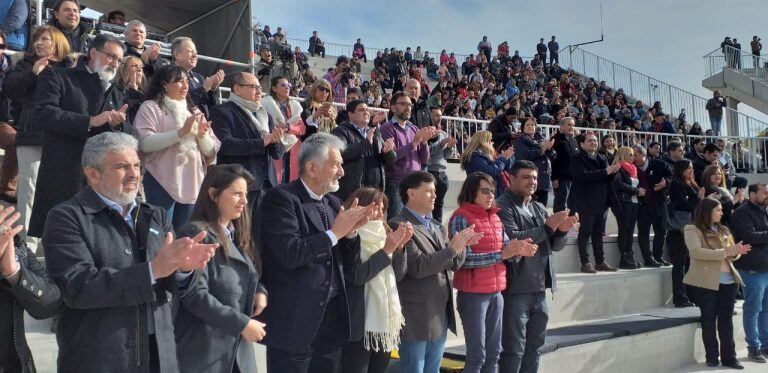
x=651 y=263
x=627 y=261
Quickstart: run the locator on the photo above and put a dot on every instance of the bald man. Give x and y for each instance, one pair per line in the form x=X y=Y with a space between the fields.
x=420 y=115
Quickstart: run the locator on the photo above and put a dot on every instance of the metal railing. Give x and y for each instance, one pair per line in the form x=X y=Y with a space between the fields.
x=648 y=89
x=753 y=66
x=335 y=49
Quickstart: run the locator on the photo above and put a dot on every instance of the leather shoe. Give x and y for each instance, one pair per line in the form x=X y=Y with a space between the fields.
x=588 y=268
x=684 y=304
x=652 y=263
x=605 y=267
x=713 y=364
x=663 y=262
x=733 y=365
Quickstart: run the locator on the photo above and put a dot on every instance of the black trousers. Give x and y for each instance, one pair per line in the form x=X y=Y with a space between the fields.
x=626 y=218
x=717 y=320
x=592 y=226
x=441 y=186
x=324 y=353
x=651 y=216
x=355 y=358
x=678 y=253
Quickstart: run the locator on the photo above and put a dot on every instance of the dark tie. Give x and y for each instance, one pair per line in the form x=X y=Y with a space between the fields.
x=320 y=205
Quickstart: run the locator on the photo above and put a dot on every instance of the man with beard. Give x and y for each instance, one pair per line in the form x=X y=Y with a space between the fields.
x=73 y=105
x=750 y=226
x=302 y=224
x=115 y=261
x=410 y=146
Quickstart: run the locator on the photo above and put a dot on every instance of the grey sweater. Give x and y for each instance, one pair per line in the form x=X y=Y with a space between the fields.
x=438 y=154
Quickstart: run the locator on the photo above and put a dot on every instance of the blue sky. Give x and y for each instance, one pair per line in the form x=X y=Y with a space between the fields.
x=661 y=38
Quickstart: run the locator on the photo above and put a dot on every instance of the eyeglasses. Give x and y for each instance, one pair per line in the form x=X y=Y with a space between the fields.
x=110 y=56
x=285 y=85
x=251 y=86
x=406 y=104
x=488 y=191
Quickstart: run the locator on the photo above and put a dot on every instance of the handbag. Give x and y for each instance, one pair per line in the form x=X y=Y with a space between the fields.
x=676 y=220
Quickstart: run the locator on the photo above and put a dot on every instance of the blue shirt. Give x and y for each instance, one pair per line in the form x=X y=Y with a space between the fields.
x=424 y=220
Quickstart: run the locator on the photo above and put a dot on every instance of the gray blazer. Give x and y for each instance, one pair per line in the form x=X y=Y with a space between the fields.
x=426 y=292
x=211 y=318
x=111 y=306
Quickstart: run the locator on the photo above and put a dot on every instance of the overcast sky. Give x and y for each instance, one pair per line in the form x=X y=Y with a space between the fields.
x=665 y=39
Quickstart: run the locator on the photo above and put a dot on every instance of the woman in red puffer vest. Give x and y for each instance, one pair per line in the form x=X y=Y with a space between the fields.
x=483 y=275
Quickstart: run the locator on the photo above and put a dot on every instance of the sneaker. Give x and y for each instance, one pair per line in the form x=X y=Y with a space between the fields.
x=605 y=267
x=663 y=262
x=756 y=356
x=588 y=268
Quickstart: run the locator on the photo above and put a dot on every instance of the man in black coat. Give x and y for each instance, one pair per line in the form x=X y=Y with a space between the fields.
x=589 y=198
x=366 y=151
x=66 y=18
x=248 y=134
x=308 y=314
x=565 y=148
x=24 y=286
x=135 y=36
x=73 y=105
x=201 y=89
x=653 y=176
x=115 y=261
x=502 y=129
x=709 y=157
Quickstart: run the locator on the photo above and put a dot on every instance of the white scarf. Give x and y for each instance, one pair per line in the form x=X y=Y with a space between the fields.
x=188 y=143
x=273 y=109
x=383 y=314
x=260 y=120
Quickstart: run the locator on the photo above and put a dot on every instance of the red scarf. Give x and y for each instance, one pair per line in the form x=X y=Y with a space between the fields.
x=630 y=168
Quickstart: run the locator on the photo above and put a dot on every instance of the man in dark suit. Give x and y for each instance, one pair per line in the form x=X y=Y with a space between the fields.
x=566 y=148
x=366 y=151
x=248 y=137
x=115 y=261
x=426 y=293
x=73 y=105
x=653 y=175
x=201 y=89
x=308 y=314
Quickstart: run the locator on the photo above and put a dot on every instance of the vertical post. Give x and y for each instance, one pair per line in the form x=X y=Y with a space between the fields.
x=732 y=117
x=252 y=53
x=39 y=4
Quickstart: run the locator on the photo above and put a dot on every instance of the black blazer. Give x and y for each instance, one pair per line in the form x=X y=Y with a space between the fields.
x=65 y=101
x=200 y=97
x=34 y=293
x=656 y=171
x=241 y=143
x=212 y=317
x=358 y=152
x=100 y=264
x=566 y=148
x=589 y=191
x=297 y=256
x=357 y=273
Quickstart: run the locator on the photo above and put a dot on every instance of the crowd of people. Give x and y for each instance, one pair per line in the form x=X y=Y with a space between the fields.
x=178 y=231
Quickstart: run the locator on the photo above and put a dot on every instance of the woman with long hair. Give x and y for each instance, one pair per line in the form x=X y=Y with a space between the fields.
x=319 y=113
x=130 y=80
x=214 y=327
x=626 y=192
x=49 y=47
x=684 y=195
x=287 y=112
x=608 y=148
x=713 y=280
x=532 y=146
x=482 y=276
x=176 y=142
x=371 y=273
x=479 y=156
x=713 y=182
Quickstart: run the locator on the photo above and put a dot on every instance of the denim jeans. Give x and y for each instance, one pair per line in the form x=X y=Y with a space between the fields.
x=523 y=332
x=755 y=308
x=481 y=316
x=422 y=356
x=395 y=203
x=716 y=123
x=178 y=213
x=561 y=195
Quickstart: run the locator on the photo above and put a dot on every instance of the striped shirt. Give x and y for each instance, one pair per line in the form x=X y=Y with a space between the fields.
x=474 y=260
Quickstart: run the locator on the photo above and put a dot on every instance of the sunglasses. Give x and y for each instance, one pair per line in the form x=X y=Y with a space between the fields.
x=323 y=89
x=285 y=85
x=488 y=191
